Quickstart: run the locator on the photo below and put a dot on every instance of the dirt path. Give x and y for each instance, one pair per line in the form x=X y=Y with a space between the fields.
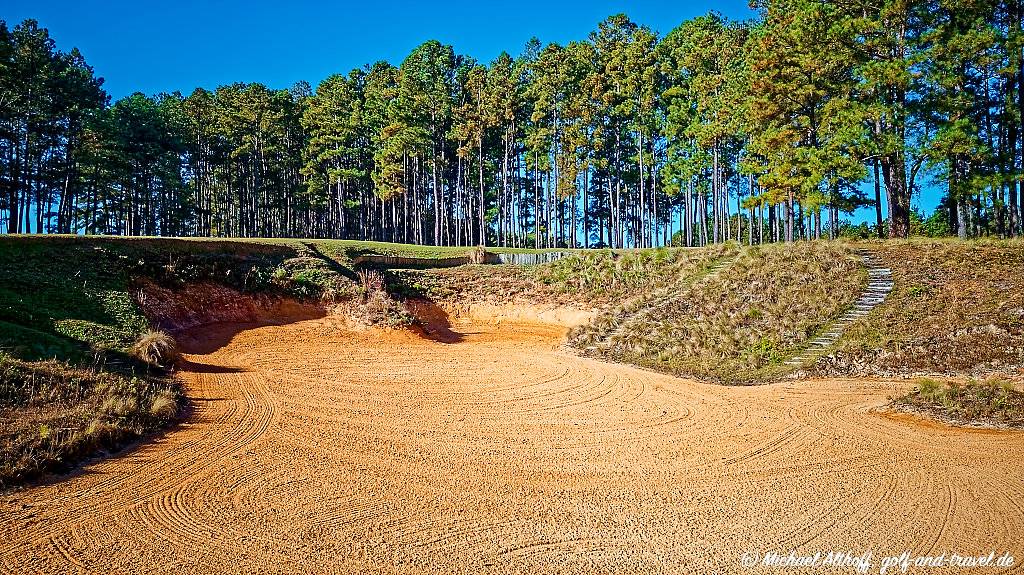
x=313 y=449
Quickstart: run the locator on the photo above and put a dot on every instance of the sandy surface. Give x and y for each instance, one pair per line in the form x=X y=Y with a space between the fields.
x=313 y=449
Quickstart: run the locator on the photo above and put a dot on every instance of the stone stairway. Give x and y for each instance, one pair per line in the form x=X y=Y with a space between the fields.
x=719 y=266
x=878 y=288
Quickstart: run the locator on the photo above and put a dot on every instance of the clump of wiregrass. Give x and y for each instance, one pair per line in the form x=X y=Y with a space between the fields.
x=370 y=281
x=993 y=401
x=375 y=306
x=156 y=348
x=477 y=255
x=53 y=415
x=734 y=325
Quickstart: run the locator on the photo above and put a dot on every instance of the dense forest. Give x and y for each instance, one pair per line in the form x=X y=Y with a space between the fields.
x=763 y=130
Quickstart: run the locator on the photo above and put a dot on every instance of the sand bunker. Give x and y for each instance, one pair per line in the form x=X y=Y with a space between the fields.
x=315 y=449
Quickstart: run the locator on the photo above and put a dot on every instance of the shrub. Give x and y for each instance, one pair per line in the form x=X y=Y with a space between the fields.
x=477 y=255
x=157 y=348
x=929 y=389
x=164 y=406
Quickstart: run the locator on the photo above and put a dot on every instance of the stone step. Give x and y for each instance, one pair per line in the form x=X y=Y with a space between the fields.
x=880 y=284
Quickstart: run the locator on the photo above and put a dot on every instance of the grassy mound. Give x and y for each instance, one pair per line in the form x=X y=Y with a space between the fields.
x=650 y=290
x=956 y=308
x=993 y=402
x=737 y=324
x=588 y=279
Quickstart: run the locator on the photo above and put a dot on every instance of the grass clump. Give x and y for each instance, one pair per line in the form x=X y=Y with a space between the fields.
x=157 y=348
x=375 y=306
x=991 y=402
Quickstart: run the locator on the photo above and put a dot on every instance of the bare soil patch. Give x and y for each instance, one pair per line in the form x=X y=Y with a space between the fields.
x=313 y=448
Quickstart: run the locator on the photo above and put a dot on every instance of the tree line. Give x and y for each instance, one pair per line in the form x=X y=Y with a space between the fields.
x=764 y=130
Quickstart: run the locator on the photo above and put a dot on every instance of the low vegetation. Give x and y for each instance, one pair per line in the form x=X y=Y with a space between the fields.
x=992 y=402
x=53 y=415
x=83 y=369
x=956 y=308
x=644 y=291
x=737 y=323
x=375 y=306
x=584 y=278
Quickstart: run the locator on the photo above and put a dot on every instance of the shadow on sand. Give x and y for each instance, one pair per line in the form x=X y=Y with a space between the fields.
x=208 y=338
x=434 y=322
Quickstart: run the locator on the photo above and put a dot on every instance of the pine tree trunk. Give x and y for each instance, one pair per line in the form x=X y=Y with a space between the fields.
x=689 y=212
x=789 y=216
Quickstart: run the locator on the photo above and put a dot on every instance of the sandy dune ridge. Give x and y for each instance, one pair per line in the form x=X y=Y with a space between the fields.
x=487 y=448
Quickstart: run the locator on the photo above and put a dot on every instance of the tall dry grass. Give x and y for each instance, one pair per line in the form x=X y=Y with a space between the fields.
x=957 y=308
x=53 y=415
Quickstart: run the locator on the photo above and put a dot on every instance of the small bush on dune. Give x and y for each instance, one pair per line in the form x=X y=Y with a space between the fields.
x=157 y=348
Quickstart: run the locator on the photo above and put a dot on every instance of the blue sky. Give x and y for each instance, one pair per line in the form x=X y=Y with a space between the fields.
x=168 y=46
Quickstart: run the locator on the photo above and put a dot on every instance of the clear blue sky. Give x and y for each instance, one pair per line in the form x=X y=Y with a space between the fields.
x=164 y=47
